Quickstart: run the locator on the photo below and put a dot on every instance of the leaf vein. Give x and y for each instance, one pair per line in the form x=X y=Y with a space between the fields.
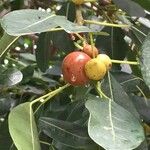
x=64 y=130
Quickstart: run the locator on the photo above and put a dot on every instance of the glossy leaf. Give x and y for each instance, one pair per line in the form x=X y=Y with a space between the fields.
x=127 y=81
x=61 y=146
x=132 y=8
x=10 y=77
x=28 y=21
x=145 y=60
x=28 y=89
x=142 y=106
x=132 y=56
x=70 y=27
x=65 y=132
x=39 y=76
x=140 y=37
x=120 y=97
x=74 y=112
x=22 y=127
x=113 y=127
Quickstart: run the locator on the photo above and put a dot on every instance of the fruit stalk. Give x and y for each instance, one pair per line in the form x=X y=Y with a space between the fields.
x=98 y=89
x=106 y=24
x=78 y=46
x=50 y=94
x=92 y=44
x=80 y=37
x=124 y=62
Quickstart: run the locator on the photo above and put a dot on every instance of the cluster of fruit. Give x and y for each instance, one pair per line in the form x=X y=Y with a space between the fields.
x=79 y=67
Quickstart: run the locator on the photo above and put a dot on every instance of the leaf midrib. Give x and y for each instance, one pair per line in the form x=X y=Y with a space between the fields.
x=38 y=22
x=31 y=126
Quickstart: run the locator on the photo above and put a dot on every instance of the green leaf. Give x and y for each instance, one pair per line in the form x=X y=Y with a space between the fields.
x=145 y=60
x=28 y=21
x=80 y=93
x=142 y=106
x=10 y=77
x=132 y=56
x=70 y=27
x=43 y=51
x=65 y=132
x=113 y=127
x=75 y=112
x=132 y=8
x=22 y=127
x=61 y=146
x=39 y=79
x=5 y=43
x=120 y=97
x=145 y=3
x=29 y=89
x=129 y=82
x=113 y=45
x=138 y=35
